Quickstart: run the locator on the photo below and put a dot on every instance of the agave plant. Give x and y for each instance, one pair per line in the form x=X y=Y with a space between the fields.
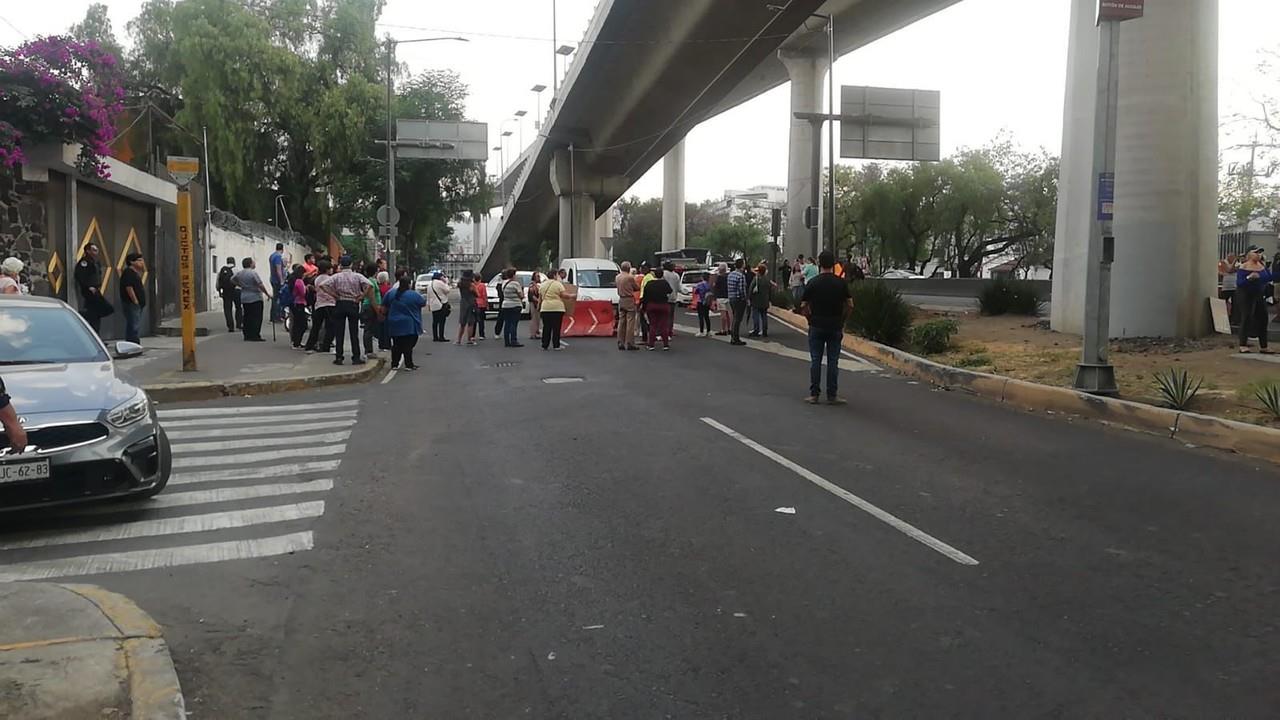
x=1177 y=387
x=1269 y=396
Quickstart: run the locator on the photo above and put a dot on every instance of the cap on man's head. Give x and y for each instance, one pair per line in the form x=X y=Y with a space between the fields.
x=345 y=261
x=231 y=261
x=132 y=258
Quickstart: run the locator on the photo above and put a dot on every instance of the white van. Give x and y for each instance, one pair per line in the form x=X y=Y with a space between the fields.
x=596 y=279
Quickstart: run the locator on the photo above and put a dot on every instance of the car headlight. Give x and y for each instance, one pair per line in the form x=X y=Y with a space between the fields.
x=130 y=411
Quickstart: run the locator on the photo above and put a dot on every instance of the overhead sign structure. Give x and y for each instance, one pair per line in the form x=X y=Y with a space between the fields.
x=436 y=140
x=1120 y=10
x=890 y=124
x=184 y=170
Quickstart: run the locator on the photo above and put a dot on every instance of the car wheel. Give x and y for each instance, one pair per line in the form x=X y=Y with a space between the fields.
x=166 y=466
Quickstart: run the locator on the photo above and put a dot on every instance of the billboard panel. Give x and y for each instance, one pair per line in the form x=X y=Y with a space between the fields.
x=436 y=140
x=890 y=124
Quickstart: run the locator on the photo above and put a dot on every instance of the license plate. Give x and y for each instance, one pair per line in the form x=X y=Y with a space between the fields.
x=21 y=471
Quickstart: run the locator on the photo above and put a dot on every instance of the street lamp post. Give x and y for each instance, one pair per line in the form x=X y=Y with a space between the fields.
x=520 y=124
x=389 y=229
x=537 y=91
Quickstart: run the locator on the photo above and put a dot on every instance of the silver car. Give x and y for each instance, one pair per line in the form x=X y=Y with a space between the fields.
x=92 y=433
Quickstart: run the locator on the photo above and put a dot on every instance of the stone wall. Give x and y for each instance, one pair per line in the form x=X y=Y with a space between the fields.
x=27 y=233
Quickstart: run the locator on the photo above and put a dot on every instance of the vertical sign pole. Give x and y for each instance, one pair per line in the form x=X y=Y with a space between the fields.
x=1095 y=374
x=186 y=274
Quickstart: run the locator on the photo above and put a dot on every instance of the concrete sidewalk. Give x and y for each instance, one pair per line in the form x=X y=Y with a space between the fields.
x=78 y=651
x=230 y=366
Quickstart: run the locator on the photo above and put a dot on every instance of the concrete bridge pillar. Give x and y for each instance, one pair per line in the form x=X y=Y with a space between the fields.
x=577 y=188
x=807 y=69
x=1166 y=171
x=673 y=224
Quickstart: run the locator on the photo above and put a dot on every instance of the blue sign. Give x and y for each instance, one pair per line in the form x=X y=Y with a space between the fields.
x=1106 y=197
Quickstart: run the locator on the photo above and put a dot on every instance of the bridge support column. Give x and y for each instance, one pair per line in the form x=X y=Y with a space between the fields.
x=806 y=70
x=1166 y=171
x=673 y=224
x=577 y=187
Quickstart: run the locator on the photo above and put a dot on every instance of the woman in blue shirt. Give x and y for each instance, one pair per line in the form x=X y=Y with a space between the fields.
x=1251 y=281
x=706 y=294
x=404 y=321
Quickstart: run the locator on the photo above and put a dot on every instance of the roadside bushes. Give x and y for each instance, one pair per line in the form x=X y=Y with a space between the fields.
x=1003 y=296
x=879 y=313
x=934 y=336
x=781 y=297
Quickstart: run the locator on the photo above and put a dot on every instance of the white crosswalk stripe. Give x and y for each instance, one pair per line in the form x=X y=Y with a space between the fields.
x=248 y=482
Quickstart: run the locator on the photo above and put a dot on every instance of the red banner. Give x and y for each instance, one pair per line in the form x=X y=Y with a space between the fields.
x=590 y=318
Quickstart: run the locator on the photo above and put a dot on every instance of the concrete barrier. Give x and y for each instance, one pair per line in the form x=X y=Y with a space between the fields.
x=957 y=287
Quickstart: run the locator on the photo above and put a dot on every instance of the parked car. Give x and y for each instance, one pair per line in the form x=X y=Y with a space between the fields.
x=688 y=281
x=896 y=274
x=92 y=432
x=423 y=282
x=596 y=279
x=494 y=286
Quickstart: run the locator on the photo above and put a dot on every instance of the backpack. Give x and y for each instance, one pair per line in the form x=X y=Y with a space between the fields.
x=224 y=279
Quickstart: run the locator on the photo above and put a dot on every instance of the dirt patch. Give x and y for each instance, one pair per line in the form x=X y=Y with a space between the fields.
x=1024 y=348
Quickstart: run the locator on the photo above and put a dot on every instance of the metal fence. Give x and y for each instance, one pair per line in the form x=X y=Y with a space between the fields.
x=228 y=221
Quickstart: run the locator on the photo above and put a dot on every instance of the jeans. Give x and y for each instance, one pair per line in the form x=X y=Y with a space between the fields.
x=231 y=310
x=437 y=326
x=402 y=346
x=659 y=315
x=1253 y=316
x=480 y=315
x=671 y=319
x=510 y=319
x=132 y=321
x=738 y=308
x=372 y=329
x=704 y=318
x=252 y=327
x=551 y=323
x=824 y=342
x=797 y=293
x=321 y=333
x=275 y=301
x=346 y=312
x=760 y=321
x=626 y=327
x=297 y=324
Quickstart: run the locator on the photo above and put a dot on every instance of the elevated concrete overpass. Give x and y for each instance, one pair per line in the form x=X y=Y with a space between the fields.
x=647 y=73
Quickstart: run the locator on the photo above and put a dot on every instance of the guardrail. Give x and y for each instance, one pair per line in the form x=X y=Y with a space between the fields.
x=956 y=287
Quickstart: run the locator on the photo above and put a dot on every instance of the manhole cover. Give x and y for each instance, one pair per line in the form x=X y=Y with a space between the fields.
x=561 y=380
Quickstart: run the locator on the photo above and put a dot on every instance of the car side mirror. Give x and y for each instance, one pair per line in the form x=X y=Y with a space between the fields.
x=125 y=350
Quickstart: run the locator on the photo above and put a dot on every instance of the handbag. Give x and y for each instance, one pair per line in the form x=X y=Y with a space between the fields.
x=445 y=307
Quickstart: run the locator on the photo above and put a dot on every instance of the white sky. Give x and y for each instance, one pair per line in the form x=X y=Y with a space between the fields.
x=970 y=52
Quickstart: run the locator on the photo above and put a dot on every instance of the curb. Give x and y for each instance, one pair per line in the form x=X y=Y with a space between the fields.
x=185 y=391
x=1186 y=427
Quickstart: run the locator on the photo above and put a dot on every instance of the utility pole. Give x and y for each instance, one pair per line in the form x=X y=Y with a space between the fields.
x=390 y=229
x=1094 y=373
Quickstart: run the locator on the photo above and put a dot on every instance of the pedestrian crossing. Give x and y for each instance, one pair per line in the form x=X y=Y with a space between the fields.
x=248 y=482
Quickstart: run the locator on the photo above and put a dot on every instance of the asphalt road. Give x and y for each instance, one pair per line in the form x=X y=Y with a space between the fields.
x=495 y=546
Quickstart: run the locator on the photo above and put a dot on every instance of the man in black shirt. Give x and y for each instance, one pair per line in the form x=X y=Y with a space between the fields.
x=88 y=276
x=133 y=296
x=826 y=303
x=230 y=295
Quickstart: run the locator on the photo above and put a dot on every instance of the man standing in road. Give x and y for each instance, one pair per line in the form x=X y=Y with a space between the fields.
x=737 y=299
x=628 y=287
x=321 y=334
x=826 y=303
x=230 y=295
x=88 y=277
x=133 y=296
x=673 y=280
x=278 y=273
x=348 y=289
x=252 y=297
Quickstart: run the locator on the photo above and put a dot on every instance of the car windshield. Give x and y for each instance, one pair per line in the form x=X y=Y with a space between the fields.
x=45 y=335
x=524 y=278
x=425 y=277
x=691 y=278
x=603 y=278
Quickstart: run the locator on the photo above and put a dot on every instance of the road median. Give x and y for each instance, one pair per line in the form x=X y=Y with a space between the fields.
x=208 y=390
x=1186 y=427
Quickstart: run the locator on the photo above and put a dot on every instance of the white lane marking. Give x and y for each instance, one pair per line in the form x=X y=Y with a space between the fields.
x=285 y=429
x=163 y=557
x=843 y=352
x=249 y=409
x=781 y=350
x=903 y=527
x=277 y=442
x=253 y=420
x=270 y=471
x=390 y=374
x=166 y=526
x=204 y=497
x=245 y=458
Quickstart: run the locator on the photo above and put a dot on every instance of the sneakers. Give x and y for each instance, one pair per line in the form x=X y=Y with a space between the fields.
x=666 y=347
x=337 y=361
x=409 y=368
x=357 y=361
x=837 y=401
x=811 y=399
x=737 y=343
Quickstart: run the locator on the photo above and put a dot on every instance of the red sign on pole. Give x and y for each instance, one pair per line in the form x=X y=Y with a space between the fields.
x=1120 y=9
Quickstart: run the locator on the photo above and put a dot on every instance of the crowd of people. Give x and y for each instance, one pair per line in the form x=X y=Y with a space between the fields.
x=1246 y=283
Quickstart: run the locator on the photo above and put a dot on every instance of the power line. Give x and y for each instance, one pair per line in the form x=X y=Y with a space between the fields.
x=15 y=28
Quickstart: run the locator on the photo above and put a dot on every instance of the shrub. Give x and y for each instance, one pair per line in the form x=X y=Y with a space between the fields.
x=1177 y=388
x=1001 y=296
x=1269 y=395
x=879 y=313
x=934 y=336
x=781 y=297
x=974 y=361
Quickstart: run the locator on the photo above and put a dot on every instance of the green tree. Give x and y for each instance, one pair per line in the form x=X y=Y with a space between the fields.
x=736 y=239
x=639 y=231
x=96 y=27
